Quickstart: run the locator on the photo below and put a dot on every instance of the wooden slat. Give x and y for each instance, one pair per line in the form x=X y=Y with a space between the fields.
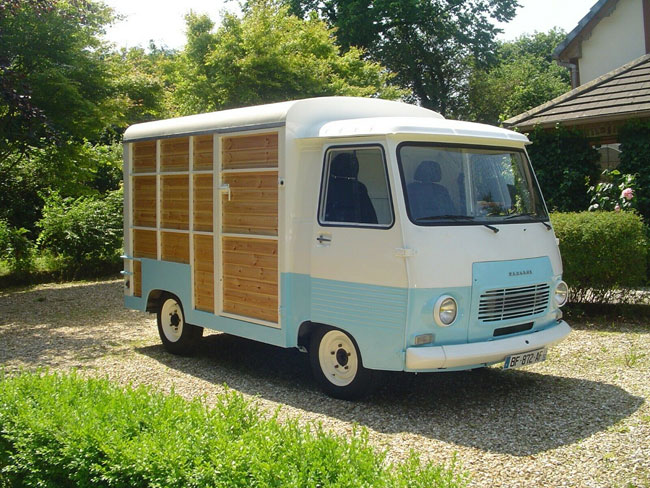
x=137 y=279
x=251 y=286
x=250 y=246
x=144 y=157
x=204 y=273
x=145 y=244
x=249 y=272
x=175 y=154
x=203 y=147
x=249 y=181
x=257 y=141
x=251 y=311
x=174 y=204
x=144 y=201
x=175 y=247
x=255 y=260
x=203 y=205
x=252 y=158
x=250 y=224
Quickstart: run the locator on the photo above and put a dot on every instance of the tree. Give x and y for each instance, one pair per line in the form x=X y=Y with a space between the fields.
x=269 y=56
x=431 y=45
x=523 y=77
x=54 y=78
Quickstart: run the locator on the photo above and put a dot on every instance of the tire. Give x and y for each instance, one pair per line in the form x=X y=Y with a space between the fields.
x=337 y=366
x=177 y=336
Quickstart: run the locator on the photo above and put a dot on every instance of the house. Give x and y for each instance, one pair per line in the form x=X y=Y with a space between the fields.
x=609 y=56
x=613 y=33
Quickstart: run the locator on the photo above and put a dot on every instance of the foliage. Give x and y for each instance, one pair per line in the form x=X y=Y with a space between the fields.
x=523 y=77
x=72 y=169
x=635 y=159
x=431 y=45
x=564 y=161
x=54 y=76
x=66 y=431
x=84 y=232
x=268 y=56
x=15 y=248
x=603 y=254
x=614 y=192
x=143 y=80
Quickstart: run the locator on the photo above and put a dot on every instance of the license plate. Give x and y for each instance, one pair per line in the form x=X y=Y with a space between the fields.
x=525 y=358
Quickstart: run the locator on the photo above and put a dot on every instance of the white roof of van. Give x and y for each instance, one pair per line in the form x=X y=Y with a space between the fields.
x=320 y=117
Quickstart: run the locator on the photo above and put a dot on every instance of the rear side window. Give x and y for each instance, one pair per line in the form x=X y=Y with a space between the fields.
x=355 y=189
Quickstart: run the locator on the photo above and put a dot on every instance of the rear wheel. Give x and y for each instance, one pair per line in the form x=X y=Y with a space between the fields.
x=337 y=366
x=177 y=336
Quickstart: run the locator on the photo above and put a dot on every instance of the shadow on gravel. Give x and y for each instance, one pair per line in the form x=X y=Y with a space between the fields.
x=513 y=412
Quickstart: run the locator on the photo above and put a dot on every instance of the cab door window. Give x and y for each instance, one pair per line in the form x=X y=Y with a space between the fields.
x=355 y=189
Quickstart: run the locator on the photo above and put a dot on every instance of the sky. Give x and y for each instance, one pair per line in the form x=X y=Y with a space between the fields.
x=163 y=22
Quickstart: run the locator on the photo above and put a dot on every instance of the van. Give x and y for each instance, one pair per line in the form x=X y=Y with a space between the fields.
x=373 y=235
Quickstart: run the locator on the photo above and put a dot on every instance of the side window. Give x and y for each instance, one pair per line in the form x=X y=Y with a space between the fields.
x=355 y=188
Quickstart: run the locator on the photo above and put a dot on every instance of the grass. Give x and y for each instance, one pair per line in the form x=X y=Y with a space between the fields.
x=62 y=430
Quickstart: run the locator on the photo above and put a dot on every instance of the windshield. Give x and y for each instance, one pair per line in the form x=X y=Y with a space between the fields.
x=462 y=184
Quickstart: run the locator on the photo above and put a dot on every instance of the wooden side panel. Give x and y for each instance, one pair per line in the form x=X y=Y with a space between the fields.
x=250 y=277
x=203 y=156
x=256 y=151
x=203 y=273
x=174 y=202
x=144 y=201
x=253 y=204
x=175 y=246
x=144 y=157
x=144 y=246
x=175 y=154
x=203 y=210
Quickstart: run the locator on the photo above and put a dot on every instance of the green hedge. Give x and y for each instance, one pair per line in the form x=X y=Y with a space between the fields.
x=61 y=430
x=604 y=254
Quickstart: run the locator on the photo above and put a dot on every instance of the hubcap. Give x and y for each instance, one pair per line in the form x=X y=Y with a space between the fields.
x=338 y=358
x=171 y=320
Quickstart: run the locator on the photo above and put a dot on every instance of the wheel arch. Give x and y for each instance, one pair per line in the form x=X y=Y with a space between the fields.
x=153 y=300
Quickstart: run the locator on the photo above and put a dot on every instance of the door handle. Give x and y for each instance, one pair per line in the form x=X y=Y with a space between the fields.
x=322 y=239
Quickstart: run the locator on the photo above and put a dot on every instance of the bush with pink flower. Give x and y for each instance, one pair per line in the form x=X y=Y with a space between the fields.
x=615 y=192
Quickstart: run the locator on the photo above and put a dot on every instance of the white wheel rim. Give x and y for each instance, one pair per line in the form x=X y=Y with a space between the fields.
x=171 y=320
x=338 y=358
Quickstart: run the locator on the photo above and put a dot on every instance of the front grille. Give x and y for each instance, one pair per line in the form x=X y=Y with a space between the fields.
x=512 y=303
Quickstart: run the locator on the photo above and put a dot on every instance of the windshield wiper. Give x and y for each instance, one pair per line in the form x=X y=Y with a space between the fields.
x=532 y=216
x=457 y=217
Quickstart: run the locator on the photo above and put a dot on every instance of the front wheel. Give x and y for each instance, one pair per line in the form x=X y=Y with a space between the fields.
x=337 y=366
x=177 y=336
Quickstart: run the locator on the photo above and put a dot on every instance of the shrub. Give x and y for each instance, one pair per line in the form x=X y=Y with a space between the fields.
x=85 y=233
x=16 y=248
x=563 y=160
x=603 y=253
x=61 y=430
x=615 y=191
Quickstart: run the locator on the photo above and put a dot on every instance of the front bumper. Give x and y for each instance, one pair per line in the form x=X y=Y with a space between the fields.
x=477 y=353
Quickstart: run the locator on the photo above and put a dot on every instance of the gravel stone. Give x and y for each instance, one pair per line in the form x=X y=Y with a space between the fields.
x=580 y=419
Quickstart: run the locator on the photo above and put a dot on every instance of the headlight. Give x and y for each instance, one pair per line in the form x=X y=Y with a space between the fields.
x=445 y=311
x=561 y=293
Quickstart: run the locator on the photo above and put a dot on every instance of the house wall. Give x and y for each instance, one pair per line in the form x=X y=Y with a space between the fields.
x=616 y=40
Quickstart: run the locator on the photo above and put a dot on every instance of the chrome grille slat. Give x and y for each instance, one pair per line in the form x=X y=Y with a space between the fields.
x=510 y=303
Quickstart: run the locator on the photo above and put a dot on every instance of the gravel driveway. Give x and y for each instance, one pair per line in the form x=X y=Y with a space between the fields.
x=579 y=419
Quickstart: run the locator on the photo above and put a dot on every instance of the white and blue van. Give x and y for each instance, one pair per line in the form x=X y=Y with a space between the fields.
x=374 y=235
